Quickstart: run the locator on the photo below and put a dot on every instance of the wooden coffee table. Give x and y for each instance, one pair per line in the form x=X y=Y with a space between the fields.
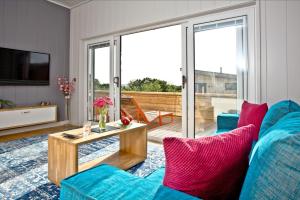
x=63 y=152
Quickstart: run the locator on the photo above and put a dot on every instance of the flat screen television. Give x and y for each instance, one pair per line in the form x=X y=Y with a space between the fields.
x=18 y=67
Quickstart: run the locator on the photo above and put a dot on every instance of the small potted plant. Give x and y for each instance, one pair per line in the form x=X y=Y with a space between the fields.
x=7 y=103
x=101 y=105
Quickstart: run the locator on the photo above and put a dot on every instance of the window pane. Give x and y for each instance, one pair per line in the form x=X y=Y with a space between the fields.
x=99 y=75
x=151 y=80
x=219 y=71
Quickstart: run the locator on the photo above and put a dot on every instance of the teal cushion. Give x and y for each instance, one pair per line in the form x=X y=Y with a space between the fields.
x=275 y=113
x=221 y=131
x=157 y=176
x=227 y=121
x=106 y=182
x=274 y=170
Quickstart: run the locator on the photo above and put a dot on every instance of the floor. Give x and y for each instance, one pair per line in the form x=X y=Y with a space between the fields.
x=6 y=138
x=24 y=163
x=156 y=134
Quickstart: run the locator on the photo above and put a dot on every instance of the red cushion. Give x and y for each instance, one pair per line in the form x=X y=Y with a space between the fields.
x=211 y=167
x=252 y=114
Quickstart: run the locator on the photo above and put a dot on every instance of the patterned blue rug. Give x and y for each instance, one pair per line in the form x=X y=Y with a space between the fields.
x=24 y=165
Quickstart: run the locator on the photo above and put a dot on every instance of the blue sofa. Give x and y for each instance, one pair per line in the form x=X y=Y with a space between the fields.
x=274 y=170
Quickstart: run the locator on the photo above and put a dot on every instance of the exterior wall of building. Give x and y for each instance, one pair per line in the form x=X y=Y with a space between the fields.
x=215 y=82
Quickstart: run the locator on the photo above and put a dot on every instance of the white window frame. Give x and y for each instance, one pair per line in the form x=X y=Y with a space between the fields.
x=253 y=73
x=184 y=92
x=83 y=75
x=253 y=76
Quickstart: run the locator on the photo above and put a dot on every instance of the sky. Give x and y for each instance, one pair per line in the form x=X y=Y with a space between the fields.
x=157 y=54
x=154 y=54
x=215 y=49
x=102 y=62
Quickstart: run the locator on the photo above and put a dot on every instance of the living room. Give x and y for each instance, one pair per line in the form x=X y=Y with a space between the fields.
x=155 y=99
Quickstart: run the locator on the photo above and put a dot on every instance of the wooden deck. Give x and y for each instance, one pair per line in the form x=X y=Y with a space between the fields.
x=172 y=102
x=175 y=130
x=207 y=107
x=168 y=130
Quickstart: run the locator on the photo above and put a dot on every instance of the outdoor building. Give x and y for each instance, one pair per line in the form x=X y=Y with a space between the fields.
x=215 y=82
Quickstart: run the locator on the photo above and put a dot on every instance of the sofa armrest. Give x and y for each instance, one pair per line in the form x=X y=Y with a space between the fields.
x=227 y=122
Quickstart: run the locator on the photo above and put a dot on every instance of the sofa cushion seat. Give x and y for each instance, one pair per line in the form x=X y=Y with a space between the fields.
x=157 y=176
x=275 y=162
x=108 y=182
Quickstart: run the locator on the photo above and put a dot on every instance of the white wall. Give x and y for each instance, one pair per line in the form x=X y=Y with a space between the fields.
x=280 y=50
x=99 y=18
x=278 y=21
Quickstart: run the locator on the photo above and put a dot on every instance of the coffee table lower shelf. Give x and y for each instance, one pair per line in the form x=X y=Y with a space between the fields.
x=119 y=159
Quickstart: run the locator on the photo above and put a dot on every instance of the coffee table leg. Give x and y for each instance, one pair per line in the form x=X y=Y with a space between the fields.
x=62 y=159
x=134 y=142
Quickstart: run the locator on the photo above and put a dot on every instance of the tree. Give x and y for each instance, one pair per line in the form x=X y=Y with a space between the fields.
x=151 y=85
x=99 y=86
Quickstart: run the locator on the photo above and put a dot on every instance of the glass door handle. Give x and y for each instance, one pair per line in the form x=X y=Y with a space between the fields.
x=183 y=81
x=117 y=81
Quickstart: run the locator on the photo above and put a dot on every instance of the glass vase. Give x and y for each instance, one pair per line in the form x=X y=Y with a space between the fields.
x=102 y=121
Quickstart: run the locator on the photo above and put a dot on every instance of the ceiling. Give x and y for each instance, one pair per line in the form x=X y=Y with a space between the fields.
x=68 y=3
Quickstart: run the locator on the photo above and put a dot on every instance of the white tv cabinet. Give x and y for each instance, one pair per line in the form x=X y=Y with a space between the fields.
x=27 y=116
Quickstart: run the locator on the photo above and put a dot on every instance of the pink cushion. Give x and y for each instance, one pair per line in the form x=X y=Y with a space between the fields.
x=252 y=114
x=211 y=167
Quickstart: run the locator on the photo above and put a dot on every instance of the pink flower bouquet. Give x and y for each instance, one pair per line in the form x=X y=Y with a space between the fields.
x=65 y=86
x=101 y=104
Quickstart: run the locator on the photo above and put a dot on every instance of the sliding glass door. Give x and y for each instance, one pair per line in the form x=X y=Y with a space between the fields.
x=177 y=79
x=220 y=71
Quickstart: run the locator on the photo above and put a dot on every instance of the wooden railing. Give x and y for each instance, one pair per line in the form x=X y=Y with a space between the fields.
x=172 y=102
